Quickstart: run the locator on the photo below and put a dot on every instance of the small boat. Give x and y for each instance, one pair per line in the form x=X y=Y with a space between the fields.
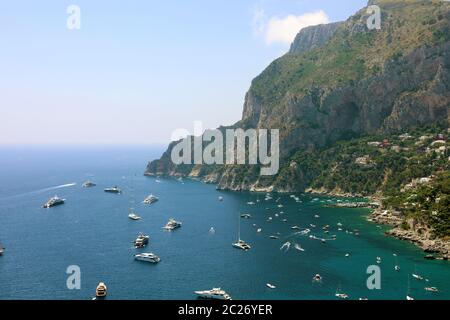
x=147 y=257
x=295 y=228
x=378 y=260
x=101 y=290
x=250 y=203
x=341 y=295
x=2 y=250
x=316 y=216
x=273 y=237
x=150 y=199
x=141 y=241
x=259 y=230
x=298 y=247
x=55 y=201
x=134 y=216
x=431 y=289
x=270 y=286
x=408 y=297
x=417 y=276
x=347 y=255
x=114 y=189
x=172 y=224
x=317 y=278
x=220 y=198
x=397 y=268
x=430 y=257
x=88 y=184
x=246 y=216
x=214 y=293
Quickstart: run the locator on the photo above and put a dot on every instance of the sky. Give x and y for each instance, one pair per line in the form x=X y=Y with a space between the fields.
x=135 y=71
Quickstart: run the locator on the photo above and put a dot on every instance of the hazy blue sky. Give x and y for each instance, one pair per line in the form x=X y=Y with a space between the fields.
x=137 y=70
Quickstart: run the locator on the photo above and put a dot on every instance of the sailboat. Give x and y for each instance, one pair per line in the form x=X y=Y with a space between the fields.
x=240 y=244
x=408 y=294
x=131 y=213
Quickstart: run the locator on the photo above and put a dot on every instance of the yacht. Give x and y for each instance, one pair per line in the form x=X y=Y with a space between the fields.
x=147 y=257
x=150 y=199
x=114 y=189
x=88 y=184
x=134 y=216
x=241 y=244
x=141 y=241
x=172 y=224
x=101 y=290
x=215 y=293
x=55 y=201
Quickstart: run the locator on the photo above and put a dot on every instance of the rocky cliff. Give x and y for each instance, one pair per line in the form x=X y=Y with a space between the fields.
x=341 y=81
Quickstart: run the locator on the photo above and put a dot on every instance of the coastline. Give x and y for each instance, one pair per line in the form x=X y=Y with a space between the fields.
x=416 y=233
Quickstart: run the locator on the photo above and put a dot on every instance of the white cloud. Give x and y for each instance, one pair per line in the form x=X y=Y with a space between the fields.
x=284 y=30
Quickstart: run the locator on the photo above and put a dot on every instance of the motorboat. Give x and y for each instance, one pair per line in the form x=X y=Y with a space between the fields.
x=55 y=201
x=114 y=189
x=134 y=216
x=147 y=257
x=270 y=286
x=88 y=184
x=141 y=241
x=101 y=290
x=172 y=224
x=214 y=293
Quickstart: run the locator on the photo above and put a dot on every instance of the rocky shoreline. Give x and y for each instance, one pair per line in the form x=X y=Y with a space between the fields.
x=415 y=233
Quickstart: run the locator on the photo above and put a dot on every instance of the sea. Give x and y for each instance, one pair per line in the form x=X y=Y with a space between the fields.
x=92 y=234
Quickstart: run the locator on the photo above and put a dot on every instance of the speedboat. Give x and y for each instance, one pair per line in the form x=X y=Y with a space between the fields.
x=114 y=189
x=431 y=289
x=101 y=290
x=141 y=241
x=270 y=286
x=215 y=293
x=147 y=257
x=134 y=216
x=150 y=199
x=246 y=216
x=273 y=237
x=172 y=224
x=55 y=201
x=88 y=184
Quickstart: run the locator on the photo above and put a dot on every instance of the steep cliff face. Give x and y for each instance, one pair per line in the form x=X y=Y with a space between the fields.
x=341 y=81
x=313 y=37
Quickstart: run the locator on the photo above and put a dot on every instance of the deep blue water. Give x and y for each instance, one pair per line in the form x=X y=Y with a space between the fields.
x=92 y=230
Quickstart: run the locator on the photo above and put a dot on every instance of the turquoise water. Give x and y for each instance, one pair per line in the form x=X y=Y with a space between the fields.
x=92 y=230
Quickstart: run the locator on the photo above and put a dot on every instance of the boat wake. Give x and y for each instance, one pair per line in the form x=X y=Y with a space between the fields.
x=67 y=185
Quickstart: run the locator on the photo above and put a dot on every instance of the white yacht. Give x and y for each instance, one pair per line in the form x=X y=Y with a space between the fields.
x=141 y=241
x=147 y=257
x=55 y=201
x=215 y=293
x=150 y=199
x=134 y=216
x=172 y=224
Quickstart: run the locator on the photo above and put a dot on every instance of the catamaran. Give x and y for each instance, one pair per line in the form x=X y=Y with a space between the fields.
x=241 y=244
